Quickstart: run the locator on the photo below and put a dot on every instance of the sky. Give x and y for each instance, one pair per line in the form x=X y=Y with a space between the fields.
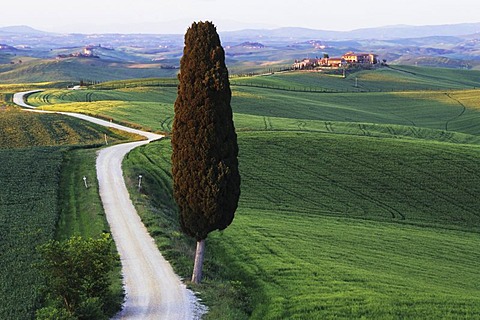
x=174 y=16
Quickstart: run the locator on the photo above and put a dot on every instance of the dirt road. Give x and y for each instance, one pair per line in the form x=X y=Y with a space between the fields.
x=153 y=290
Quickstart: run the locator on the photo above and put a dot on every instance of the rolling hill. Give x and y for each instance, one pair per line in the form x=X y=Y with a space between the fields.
x=76 y=69
x=354 y=203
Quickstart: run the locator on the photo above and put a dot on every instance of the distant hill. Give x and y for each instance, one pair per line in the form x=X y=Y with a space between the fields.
x=290 y=33
x=407 y=31
x=21 y=30
x=7 y=48
x=380 y=33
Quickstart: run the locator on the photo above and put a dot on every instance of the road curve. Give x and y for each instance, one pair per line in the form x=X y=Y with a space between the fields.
x=153 y=290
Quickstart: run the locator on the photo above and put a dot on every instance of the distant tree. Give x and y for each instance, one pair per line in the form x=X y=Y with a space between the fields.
x=206 y=180
x=326 y=56
x=77 y=273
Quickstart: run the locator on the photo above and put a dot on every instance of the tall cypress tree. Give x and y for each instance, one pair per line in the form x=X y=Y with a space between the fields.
x=206 y=180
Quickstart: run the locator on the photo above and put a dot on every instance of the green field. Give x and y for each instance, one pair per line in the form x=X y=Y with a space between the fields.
x=399 y=113
x=353 y=204
x=42 y=168
x=393 y=78
x=73 y=70
x=20 y=129
x=28 y=214
x=343 y=234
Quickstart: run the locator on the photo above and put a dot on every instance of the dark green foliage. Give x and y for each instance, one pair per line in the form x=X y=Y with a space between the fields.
x=204 y=142
x=52 y=313
x=77 y=273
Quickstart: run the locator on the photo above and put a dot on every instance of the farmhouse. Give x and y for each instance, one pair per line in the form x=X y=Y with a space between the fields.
x=88 y=51
x=349 y=58
x=305 y=64
x=364 y=58
x=333 y=62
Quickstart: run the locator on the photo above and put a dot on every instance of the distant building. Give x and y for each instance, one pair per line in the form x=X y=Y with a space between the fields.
x=362 y=58
x=87 y=51
x=305 y=64
x=349 y=58
x=333 y=62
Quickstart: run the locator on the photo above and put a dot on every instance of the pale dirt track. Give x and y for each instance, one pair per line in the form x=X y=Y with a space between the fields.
x=153 y=290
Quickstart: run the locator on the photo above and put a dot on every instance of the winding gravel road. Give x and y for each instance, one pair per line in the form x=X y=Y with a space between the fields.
x=153 y=290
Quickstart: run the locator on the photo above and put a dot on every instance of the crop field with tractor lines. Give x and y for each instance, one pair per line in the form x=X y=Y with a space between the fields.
x=348 y=229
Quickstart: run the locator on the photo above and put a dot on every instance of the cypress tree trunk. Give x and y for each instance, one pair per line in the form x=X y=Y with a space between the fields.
x=198 y=267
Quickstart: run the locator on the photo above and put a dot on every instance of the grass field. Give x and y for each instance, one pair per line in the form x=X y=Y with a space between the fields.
x=28 y=214
x=73 y=70
x=321 y=235
x=353 y=205
x=409 y=114
x=425 y=183
x=316 y=267
x=20 y=129
x=393 y=78
x=316 y=262
x=80 y=211
x=43 y=197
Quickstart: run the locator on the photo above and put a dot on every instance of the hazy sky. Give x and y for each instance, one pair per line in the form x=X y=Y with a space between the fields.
x=174 y=16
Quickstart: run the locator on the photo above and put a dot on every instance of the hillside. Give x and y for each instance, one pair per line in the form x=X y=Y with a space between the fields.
x=357 y=201
x=76 y=69
x=339 y=237
x=358 y=194
x=382 y=33
x=401 y=103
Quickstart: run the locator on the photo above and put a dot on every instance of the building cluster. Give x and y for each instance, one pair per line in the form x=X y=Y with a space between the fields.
x=348 y=59
x=87 y=52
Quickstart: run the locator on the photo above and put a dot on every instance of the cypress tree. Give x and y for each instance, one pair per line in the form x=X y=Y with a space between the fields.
x=206 y=180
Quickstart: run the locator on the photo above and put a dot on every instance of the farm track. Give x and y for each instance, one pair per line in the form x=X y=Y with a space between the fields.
x=153 y=163
x=267 y=122
x=88 y=97
x=405 y=119
x=329 y=126
x=464 y=109
x=302 y=125
x=153 y=290
x=363 y=129
x=167 y=123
